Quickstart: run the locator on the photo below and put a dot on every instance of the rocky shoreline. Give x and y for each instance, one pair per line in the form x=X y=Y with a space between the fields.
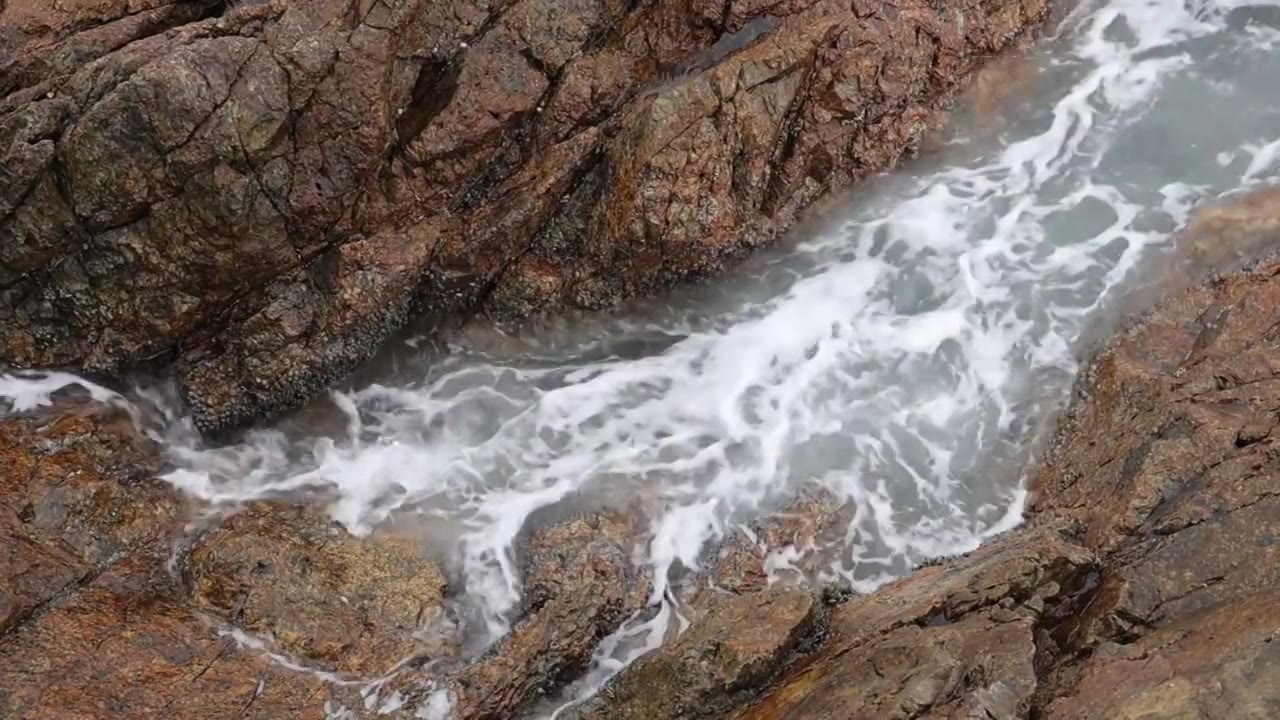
x=255 y=194
x=1145 y=580
x=283 y=183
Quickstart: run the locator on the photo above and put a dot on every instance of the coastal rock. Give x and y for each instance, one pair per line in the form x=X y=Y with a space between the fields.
x=76 y=494
x=580 y=585
x=1144 y=583
x=1145 y=580
x=92 y=623
x=258 y=194
x=735 y=648
x=341 y=603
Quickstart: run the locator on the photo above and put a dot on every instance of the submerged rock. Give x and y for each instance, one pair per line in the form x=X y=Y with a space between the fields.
x=283 y=183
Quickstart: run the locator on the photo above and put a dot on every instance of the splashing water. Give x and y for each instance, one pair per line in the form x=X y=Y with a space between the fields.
x=903 y=359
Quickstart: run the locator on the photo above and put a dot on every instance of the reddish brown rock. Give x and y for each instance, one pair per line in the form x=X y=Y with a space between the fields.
x=76 y=494
x=1146 y=583
x=339 y=602
x=734 y=649
x=128 y=645
x=952 y=640
x=580 y=585
x=1223 y=662
x=92 y=623
x=258 y=193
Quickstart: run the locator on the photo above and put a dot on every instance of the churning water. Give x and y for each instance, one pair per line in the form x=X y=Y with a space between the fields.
x=904 y=357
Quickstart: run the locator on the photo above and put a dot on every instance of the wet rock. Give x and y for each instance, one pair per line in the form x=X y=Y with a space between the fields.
x=284 y=183
x=580 y=585
x=734 y=649
x=955 y=639
x=338 y=602
x=1221 y=662
x=1146 y=580
x=76 y=495
x=794 y=536
x=92 y=623
x=127 y=644
x=1224 y=233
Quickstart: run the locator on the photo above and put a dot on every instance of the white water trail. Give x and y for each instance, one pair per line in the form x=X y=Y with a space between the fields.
x=903 y=360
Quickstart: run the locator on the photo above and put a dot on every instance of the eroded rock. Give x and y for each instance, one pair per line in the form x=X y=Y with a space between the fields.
x=76 y=495
x=258 y=194
x=92 y=623
x=1145 y=582
x=733 y=650
x=342 y=603
x=580 y=585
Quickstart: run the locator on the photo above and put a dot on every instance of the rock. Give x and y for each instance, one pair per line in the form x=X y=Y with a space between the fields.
x=1220 y=662
x=92 y=623
x=580 y=586
x=813 y=520
x=127 y=644
x=951 y=640
x=1225 y=233
x=341 y=603
x=98 y=618
x=730 y=652
x=110 y=607
x=286 y=182
x=76 y=494
x=1144 y=584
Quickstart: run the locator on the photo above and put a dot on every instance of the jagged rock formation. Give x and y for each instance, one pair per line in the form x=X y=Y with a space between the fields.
x=257 y=194
x=1145 y=583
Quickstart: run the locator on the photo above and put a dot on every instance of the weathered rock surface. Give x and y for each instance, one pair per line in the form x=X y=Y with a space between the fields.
x=734 y=649
x=341 y=603
x=115 y=603
x=1145 y=584
x=258 y=193
x=92 y=625
x=581 y=584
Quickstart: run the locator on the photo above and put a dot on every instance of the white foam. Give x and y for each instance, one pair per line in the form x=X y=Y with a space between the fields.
x=27 y=391
x=904 y=360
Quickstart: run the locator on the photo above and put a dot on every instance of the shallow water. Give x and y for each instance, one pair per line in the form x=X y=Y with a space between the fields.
x=904 y=356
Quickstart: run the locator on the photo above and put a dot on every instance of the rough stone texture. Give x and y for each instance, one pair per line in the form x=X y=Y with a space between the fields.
x=92 y=625
x=257 y=194
x=341 y=603
x=116 y=601
x=1146 y=583
x=75 y=496
x=580 y=585
x=1222 y=662
x=732 y=651
x=952 y=640
x=814 y=520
